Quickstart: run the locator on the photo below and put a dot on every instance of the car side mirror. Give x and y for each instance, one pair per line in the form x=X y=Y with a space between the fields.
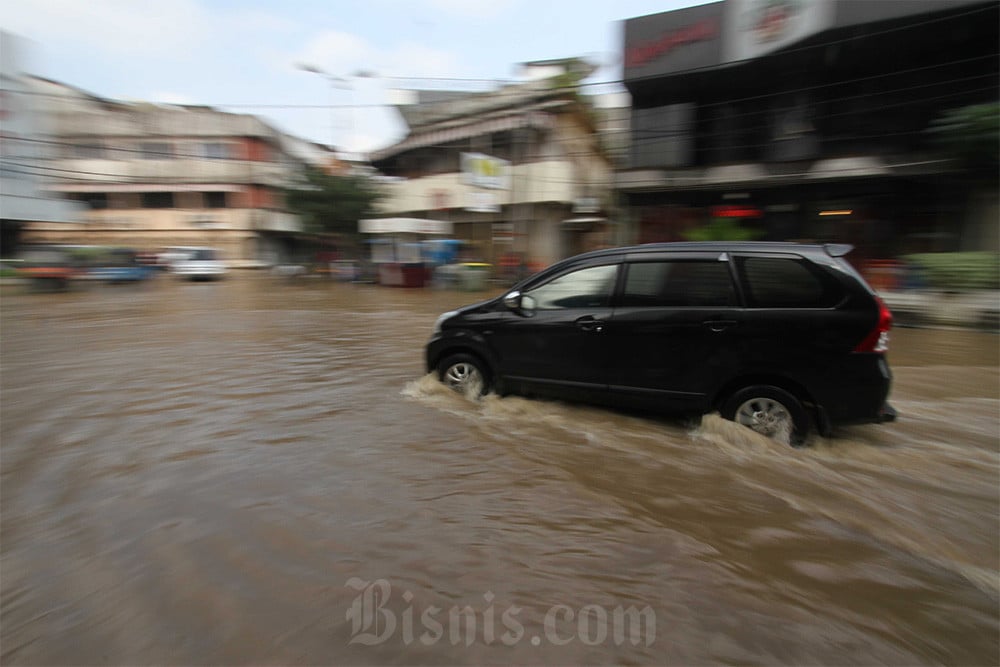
x=522 y=304
x=512 y=300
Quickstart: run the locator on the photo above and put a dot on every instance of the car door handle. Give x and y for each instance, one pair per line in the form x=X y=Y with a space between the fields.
x=590 y=323
x=719 y=325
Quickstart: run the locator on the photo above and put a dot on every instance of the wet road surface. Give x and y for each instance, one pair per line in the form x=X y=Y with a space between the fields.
x=256 y=471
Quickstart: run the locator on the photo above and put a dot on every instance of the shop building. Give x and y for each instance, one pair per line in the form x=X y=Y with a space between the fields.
x=808 y=120
x=517 y=171
x=23 y=198
x=152 y=176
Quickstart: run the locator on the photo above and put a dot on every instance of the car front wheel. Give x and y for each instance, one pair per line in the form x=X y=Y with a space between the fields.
x=465 y=374
x=770 y=411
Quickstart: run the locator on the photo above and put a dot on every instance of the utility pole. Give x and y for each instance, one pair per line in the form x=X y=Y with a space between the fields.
x=335 y=83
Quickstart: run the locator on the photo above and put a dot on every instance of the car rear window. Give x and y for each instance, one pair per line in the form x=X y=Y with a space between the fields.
x=779 y=282
x=679 y=283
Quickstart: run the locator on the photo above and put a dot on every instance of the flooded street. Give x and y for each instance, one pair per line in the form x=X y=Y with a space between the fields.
x=256 y=471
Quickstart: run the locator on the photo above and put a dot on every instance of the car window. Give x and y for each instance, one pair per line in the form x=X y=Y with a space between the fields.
x=679 y=283
x=775 y=282
x=203 y=255
x=586 y=288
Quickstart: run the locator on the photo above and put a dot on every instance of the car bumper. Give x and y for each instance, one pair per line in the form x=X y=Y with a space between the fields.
x=887 y=414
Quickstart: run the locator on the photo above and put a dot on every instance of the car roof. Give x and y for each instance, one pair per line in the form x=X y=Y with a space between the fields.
x=831 y=249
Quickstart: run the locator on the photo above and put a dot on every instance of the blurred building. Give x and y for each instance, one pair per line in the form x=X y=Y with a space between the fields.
x=518 y=170
x=810 y=120
x=23 y=142
x=152 y=176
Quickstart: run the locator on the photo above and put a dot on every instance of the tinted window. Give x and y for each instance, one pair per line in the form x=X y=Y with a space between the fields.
x=774 y=282
x=679 y=283
x=586 y=288
x=203 y=255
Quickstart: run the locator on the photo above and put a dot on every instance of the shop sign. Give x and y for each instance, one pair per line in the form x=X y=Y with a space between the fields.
x=503 y=231
x=757 y=27
x=482 y=202
x=674 y=41
x=643 y=53
x=484 y=171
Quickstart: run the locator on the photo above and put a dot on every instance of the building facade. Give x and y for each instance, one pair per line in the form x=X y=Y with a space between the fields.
x=23 y=140
x=517 y=171
x=153 y=176
x=809 y=120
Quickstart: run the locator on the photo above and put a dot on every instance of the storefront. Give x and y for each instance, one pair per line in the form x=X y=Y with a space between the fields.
x=806 y=121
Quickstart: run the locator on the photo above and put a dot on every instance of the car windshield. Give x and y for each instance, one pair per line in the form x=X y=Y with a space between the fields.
x=203 y=255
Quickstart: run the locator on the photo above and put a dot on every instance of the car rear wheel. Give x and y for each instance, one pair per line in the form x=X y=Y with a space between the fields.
x=465 y=374
x=770 y=411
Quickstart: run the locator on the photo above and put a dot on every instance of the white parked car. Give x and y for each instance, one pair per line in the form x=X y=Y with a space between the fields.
x=200 y=264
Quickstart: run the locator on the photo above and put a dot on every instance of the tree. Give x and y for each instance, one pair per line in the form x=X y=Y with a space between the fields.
x=331 y=204
x=971 y=136
x=721 y=229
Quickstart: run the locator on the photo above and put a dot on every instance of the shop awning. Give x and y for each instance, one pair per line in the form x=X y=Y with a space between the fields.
x=848 y=167
x=582 y=224
x=734 y=173
x=404 y=226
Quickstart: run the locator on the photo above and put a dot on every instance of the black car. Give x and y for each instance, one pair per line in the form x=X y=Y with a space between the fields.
x=775 y=336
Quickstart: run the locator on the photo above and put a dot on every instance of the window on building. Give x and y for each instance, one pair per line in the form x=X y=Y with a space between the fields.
x=665 y=284
x=215 y=199
x=158 y=200
x=95 y=200
x=88 y=150
x=215 y=150
x=663 y=136
x=156 y=150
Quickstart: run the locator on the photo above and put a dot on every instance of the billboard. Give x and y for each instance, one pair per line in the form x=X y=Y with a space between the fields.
x=484 y=171
x=672 y=42
x=757 y=27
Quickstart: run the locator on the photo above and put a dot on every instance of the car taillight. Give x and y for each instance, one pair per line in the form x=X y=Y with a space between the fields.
x=878 y=339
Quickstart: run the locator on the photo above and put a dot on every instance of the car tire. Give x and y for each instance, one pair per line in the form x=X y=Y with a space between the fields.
x=770 y=411
x=465 y=374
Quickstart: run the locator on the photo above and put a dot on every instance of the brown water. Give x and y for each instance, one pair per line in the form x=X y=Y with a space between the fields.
x=223 y=473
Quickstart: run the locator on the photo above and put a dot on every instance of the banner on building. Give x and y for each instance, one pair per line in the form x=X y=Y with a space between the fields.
x=757 y=27
x=484 y=171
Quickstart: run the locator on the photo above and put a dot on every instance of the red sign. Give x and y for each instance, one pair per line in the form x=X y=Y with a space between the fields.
x=650 y=50
x=736 y=212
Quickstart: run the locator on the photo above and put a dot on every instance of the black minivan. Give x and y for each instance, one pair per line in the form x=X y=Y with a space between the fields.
x=775 y=336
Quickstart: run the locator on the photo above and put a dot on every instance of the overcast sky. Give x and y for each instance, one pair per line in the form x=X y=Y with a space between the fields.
x=242 y=54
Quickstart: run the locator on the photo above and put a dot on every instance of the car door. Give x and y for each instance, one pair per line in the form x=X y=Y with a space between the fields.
x=554 y=343
x=672 y=332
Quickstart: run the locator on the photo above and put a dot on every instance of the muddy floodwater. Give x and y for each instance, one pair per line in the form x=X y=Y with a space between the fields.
x=258 y=471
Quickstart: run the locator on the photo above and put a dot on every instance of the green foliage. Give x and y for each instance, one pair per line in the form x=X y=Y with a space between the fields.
x=332 y=204
x=970 y=135
x=722 y=229
x=958 y=270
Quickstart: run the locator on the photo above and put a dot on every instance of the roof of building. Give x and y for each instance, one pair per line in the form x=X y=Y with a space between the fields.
x=444 y=116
